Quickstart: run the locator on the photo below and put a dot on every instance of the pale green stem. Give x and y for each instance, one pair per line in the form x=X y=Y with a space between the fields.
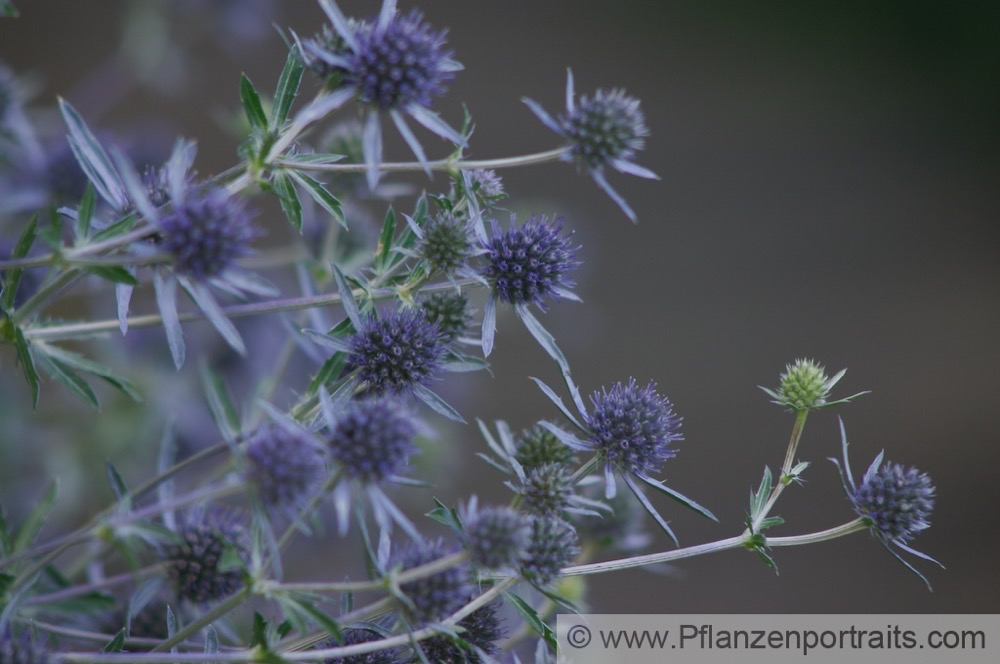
x=85 y=588
x=429 y=569
x=437 y=165
x=786 y=468
x=220 y=610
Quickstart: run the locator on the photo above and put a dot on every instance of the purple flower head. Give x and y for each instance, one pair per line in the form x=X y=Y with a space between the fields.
x=206 y=232
x=356 y=636
x=373 y=440
x=530 y=262
x=479 y=633
x=487 y=184
x=604 y=130
x=894 y=502
x=285 y=467
x=435 y=597
x=495 y=537
x=22 y=649
x=553 y=545
x=393 y=63
x=396 y=352
x=195 y=562
x=632 y=428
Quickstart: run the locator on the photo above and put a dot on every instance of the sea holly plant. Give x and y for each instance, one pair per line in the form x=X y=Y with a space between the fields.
x=192 y=563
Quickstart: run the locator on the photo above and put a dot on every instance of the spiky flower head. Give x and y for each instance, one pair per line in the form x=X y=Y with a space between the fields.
x=22 y=649
x=632 y=427
x=206 y=232
x=356 y=636
x=399 y=62
x=450 y=312
x=546 y=489
x=396 y=352
x=553 y=546
x=198 y=562
x=487 y=184
x=435 y=597
x=373 y=439
x=495 y=537
x=530 y=262
x=606 y=127
x=897 y=501
x=285 y=467
x=538 y=446
x=323 y=53
x=804 y=385
x=479 y=632
x=447 y=243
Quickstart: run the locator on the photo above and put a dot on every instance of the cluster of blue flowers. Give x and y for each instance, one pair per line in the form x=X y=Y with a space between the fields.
x=384 y=324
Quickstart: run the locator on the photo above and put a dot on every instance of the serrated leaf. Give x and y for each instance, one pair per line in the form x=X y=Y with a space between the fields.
x=21 y=249
x=530 y=616
x=289 y=199
x=288 y=88
x=251 y=104
x=61 y=372
x=384 y=249
x=321 y=195
x=36 y=519
x=27 y=363
x=84 y=214
x=113 y=273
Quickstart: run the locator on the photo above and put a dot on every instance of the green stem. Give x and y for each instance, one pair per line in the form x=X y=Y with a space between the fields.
x=786 y=467
x=204 y=621
x=46 y=292
x=429 y=569
x=821 y=536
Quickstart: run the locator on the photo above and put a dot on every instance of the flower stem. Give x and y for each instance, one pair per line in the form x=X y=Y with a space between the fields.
x=438 y=165
x=784 y=477
x=204 y=621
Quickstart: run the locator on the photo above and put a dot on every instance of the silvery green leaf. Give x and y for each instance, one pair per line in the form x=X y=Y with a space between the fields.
x=123 y=297
x=384 y=248
x=321 y=195
x=542 y=336
x=227 y=420
x=531 y=617
x=433 y=121
x=36 y=518
x=489 y=325
x=118 y=485
x=93 y=159
x=13 y=278
x=567 y=438
x=333 y=343
x=314 y=158
x=411 y=140
x=27 y=362
x=288 y=88
x=166 y=300
x=437 y=404
x=116 y=644
x=554 y=398
x=207 y=303
x=637 y=492
x=289 y=199
x=84 y=215
x=69 y=379
x=347 y=297
x=78 y=361
x=251 y=104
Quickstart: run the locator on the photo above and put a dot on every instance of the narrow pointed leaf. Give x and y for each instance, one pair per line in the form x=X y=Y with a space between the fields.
x=321 y=195
x=289 y=199
x=251 y=104
x=27 y=362
x=385 y=241
x=36 y=518
x=78 y=361
x=13 y=278
x=437 y=404
x=677 y=496
x=543 y=337
x=223 y=411
x=288 y=88
x=554 y=398
x=347 y=297
x=85 y=214
x=166 y=301
x=208 y=304
x=93 y=159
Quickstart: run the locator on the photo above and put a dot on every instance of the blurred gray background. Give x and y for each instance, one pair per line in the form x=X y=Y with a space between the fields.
x=830 y=189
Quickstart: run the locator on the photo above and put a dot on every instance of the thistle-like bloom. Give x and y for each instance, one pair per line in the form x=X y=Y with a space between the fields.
x=546 y=490
x=197 y=562
x=285 y=465
x=804 y=386
x=524 y=266
x=553 y=546
x=487 y=185
x=894 y=502
x=538 y=446
x=477 y=640
x=22 y=649
x=397 y=352
x=435 y=597
x=631 y=431
x=450 y=312
x=495 y=537
x=206 y=232
x=447 y=244
x=394 y=63
x=604 y=130
x=371 y=443
x=356 y=636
